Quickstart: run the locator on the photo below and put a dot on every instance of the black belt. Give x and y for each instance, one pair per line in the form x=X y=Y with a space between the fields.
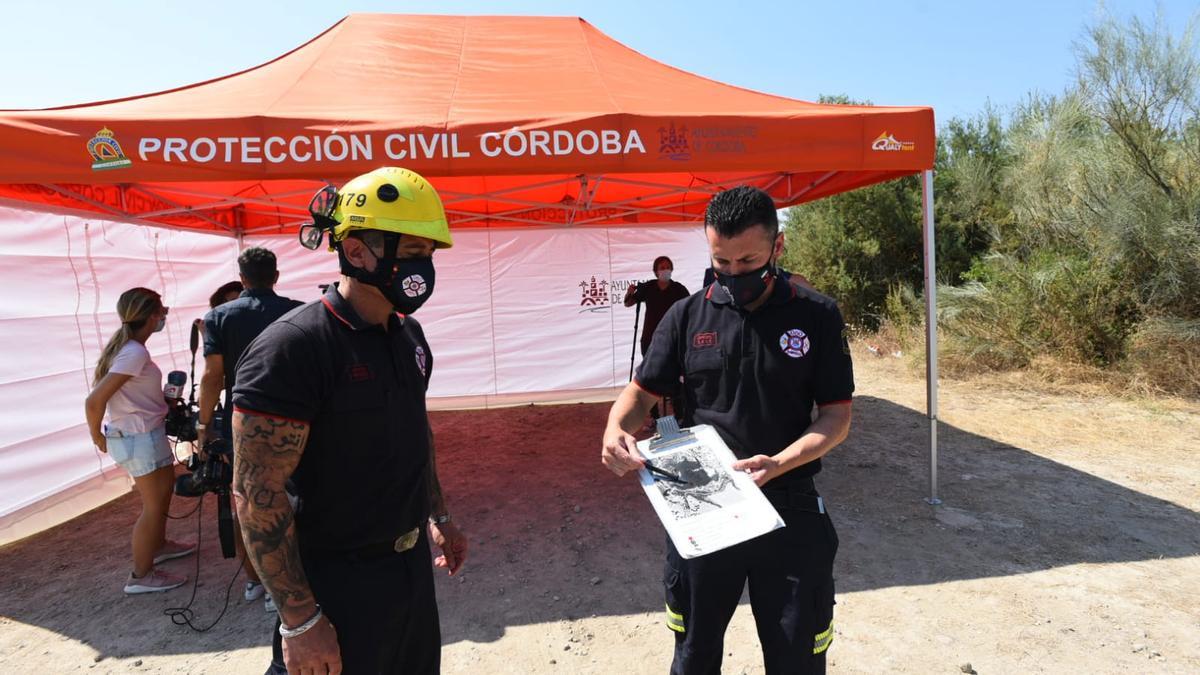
x=798 y=494
x=402 y=544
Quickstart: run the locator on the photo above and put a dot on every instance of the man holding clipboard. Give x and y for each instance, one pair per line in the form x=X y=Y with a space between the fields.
x=755 y=354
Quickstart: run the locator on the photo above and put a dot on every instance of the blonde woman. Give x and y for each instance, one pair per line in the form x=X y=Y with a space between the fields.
x=128 y=392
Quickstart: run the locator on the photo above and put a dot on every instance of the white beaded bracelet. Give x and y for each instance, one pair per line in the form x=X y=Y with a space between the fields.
x=302 y=628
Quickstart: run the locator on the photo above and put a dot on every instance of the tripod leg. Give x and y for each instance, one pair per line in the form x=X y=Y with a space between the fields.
x=637 y=316
x=225 y=524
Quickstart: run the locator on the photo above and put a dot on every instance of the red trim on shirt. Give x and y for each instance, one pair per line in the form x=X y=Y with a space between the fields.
x=333 y=311
x=708 y=294
x=247 y=411
x=844 y=401
x=641 y=386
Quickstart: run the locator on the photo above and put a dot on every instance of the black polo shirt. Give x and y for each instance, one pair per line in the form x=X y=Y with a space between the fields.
x=362 y=478
x=754 y=376
x=658 y=301
x=230 y=327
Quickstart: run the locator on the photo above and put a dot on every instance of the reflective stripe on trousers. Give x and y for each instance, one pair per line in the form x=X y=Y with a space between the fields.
x=823 y=639
x=675 y=621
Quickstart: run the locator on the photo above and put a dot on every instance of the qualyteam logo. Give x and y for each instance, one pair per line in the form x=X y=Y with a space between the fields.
x=106 y=151
x=888 y=143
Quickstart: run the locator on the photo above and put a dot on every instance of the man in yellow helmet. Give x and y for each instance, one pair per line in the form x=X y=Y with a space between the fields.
x=332 y=397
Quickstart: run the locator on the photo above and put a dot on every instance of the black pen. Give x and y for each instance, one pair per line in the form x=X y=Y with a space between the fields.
x=667 y=475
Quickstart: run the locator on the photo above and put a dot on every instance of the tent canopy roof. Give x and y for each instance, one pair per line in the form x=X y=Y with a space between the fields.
x=519 y=121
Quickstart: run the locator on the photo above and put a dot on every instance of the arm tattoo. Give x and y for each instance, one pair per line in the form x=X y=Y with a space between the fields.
x=437 y=502
x=266 y=452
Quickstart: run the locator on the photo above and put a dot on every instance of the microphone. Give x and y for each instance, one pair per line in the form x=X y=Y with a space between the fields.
x=173 y=389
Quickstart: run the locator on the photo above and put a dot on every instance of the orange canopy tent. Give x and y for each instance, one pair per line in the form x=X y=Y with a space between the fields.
x=540 y=121
x=518 y=121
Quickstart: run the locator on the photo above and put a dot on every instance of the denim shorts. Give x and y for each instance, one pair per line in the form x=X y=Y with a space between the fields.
x=140 y=454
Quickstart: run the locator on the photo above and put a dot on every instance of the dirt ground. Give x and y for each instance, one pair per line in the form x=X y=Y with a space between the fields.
x=1069 y=542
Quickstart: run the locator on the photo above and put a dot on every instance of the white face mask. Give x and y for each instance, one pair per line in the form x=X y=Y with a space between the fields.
x=162 y=323
x=664 y=275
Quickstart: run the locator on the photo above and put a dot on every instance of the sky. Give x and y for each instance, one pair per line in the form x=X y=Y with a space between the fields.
x=956 y=56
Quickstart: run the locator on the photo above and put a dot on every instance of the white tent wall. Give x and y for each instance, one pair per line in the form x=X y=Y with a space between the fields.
x=62 y=276
x=516 y=317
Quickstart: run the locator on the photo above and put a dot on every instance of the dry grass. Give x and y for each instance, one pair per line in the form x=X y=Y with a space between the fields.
x=1165 y=357
x=1162 y=374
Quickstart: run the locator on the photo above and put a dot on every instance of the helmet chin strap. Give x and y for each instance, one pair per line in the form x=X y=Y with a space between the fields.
x=385 y=267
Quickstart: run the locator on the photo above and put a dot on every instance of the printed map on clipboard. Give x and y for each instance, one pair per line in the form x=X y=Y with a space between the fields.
x=710 y=506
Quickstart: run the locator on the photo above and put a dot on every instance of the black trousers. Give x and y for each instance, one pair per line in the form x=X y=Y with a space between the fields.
x=383 y=608
x=790 y=572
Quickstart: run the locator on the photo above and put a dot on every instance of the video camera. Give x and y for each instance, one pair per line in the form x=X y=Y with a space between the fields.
x=181 y=415
x=210 y=467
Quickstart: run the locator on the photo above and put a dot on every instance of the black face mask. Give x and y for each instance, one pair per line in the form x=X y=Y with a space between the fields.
x=411 y=284
x=745 y=288
x=406 y=282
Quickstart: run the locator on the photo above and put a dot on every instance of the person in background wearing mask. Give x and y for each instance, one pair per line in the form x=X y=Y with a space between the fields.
x=228 y=330
x=658 y=295
x=332 y=396
x=128 y=390
x=789 y=351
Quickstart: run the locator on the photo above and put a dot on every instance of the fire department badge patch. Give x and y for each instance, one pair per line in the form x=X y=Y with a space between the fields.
x=794 y=343
x=420 y=354
x=414 y=286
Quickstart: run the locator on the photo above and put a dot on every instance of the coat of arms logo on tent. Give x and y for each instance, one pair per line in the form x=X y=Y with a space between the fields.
x=106 y=151
x=673 y=142
x=595 y=295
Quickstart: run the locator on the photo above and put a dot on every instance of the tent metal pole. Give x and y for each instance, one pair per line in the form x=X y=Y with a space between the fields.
x=150 y=193
x=931 y=350
x=240 y=232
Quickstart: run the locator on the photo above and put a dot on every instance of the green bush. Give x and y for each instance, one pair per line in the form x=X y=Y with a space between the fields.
x=853 y=246
x=857 y=245
x=1051 y=304
x=1068 y=232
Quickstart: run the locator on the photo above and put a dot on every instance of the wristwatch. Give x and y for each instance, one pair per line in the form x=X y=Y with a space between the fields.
x=440 y=520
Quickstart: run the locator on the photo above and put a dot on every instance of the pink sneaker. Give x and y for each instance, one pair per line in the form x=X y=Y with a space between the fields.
x=172 y=550
x=156 y=581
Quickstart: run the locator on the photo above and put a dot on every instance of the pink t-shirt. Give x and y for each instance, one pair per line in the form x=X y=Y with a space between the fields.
x=138 y=406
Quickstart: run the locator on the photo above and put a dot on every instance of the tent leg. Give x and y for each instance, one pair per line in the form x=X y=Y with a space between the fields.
x=931 y=362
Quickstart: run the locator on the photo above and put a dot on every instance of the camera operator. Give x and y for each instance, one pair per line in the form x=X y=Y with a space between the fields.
x=128 y=390
x=228 y=329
